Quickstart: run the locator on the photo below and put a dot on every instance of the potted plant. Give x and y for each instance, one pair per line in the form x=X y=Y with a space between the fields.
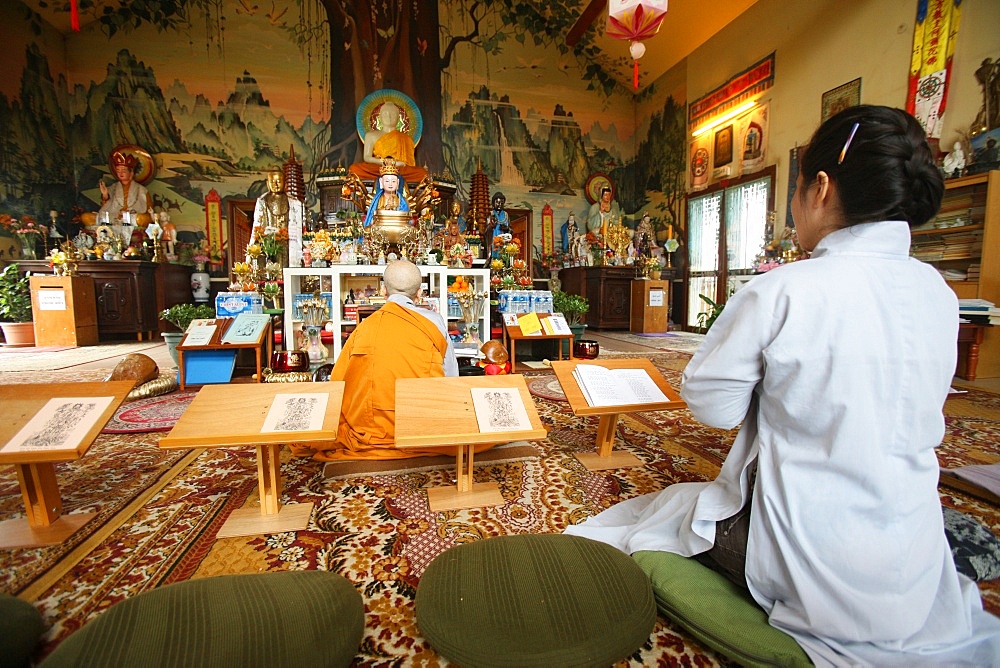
x=15 y=307
x=707 y=318
x=181 y=316
x=574 y=308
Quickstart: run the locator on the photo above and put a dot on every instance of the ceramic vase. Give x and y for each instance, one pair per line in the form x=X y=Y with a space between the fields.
x=200 y=282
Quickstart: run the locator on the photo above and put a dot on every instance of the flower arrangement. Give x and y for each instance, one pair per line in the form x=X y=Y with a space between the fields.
x=777 y=252
x=25 y=227
x=554 y=260
x=272 y=241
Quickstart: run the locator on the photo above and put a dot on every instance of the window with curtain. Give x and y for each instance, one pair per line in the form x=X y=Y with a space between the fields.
x=726 y=230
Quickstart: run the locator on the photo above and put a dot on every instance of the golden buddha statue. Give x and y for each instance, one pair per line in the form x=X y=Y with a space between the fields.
x=386 y=133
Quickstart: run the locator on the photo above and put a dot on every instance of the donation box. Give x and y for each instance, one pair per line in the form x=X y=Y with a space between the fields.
x=650 y=307
x=64 y=310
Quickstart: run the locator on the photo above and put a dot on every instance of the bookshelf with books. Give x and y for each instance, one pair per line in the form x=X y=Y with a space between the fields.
x=963 y=243
x=336 y=283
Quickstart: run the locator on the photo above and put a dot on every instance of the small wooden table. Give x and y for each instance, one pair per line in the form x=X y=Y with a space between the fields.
x=45 y=524
x=604 y=458
x=223 y=416
x=513 y=334
x=439 y=412
x=262 y=347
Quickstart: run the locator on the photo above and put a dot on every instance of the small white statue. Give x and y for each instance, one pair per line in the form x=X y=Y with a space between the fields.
x=954 y=162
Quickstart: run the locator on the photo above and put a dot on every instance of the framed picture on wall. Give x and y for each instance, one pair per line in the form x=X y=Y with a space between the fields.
x=840 y=98
x=723 y=146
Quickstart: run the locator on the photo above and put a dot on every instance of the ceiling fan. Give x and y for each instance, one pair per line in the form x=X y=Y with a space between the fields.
x=590 y=12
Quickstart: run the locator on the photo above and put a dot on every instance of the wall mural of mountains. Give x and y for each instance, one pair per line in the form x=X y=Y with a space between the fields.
x=60 y=138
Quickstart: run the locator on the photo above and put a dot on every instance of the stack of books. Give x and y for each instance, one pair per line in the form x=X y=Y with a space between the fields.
x=978 y=311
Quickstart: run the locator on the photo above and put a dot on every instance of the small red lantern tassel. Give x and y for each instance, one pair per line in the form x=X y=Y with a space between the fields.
x=635 y=75
x=74 y=15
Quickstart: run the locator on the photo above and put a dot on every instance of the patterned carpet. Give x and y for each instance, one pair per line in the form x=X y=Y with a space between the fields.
x=377 y=530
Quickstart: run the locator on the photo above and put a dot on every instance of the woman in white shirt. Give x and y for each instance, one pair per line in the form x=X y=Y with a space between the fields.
x=826 y=507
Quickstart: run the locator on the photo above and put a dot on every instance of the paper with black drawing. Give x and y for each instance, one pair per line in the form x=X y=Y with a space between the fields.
x=499 y=409
x=60 y=424
x=302 y=411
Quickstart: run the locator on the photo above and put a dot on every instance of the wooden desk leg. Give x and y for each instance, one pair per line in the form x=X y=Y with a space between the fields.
x=605 y=458
x=269 y=478
x=513 y=356
x=465 y=493
x=180 y=368
x=272 y=516
x=972 y=360
x=45 y=524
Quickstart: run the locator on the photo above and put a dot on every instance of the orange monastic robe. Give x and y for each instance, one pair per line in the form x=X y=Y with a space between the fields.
x=400 y=146
x=394 y=342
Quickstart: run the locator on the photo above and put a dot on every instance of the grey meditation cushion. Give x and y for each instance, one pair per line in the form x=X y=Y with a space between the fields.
x=535 y=600
x=294 y=619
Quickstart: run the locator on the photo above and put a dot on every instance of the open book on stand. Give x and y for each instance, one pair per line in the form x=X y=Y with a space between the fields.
x=616 y=387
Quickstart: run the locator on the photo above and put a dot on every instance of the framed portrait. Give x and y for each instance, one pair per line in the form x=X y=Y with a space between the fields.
x=840 y=98
x=723 y=146
x=364 y=287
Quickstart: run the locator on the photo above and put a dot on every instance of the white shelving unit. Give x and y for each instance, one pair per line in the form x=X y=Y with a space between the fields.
x=339 y=279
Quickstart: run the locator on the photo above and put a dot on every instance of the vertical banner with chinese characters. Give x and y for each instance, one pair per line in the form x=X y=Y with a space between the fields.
x=934 y=37
x=213 y=220
x=548 y=230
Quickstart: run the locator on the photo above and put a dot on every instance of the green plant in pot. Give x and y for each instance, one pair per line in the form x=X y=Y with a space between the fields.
x=574 y=308
x=15 y=307
x=181 y=316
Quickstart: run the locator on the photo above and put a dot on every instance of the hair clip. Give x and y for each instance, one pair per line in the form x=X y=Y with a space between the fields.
x=847 y=144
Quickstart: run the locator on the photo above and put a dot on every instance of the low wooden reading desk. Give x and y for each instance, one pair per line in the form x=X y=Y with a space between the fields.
x=262 y=347
x=224 y=416
x=45 y=524
x=604 y=458
x=513 y=334
x=434 y=412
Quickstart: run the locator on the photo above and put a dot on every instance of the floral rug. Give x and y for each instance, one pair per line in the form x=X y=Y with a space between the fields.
x=150 y=414
x=377 y=530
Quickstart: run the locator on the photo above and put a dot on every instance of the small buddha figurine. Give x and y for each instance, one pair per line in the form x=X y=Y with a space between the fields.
x=387 y=194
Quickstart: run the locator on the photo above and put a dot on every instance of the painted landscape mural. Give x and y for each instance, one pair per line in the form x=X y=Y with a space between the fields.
x=219 y=93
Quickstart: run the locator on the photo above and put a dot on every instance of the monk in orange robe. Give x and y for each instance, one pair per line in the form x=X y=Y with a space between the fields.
x=400 y=340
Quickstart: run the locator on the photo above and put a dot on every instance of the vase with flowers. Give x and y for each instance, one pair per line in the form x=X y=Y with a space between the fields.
x=27 y=231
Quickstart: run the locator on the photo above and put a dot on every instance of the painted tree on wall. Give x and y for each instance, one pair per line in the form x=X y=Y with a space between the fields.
x=396 y=44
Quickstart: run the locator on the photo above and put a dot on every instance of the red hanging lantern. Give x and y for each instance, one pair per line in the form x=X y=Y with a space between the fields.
x=635 y=21
x=74 y=15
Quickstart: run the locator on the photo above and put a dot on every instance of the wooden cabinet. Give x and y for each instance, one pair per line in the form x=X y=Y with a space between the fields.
x=129 y=295
x=963 y=242
x=608 y=289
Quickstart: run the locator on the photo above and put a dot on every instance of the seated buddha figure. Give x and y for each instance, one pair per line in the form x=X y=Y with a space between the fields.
x=385 y=136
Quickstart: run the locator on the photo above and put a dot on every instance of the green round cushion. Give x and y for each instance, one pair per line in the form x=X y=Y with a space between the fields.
x=535 y=600
x=291 y=618
x=717 y=612
x=21 y=625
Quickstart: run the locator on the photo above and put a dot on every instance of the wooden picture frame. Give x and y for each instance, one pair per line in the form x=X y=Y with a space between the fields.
x=837 y=99
x=723 y=147
x=361 y=286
